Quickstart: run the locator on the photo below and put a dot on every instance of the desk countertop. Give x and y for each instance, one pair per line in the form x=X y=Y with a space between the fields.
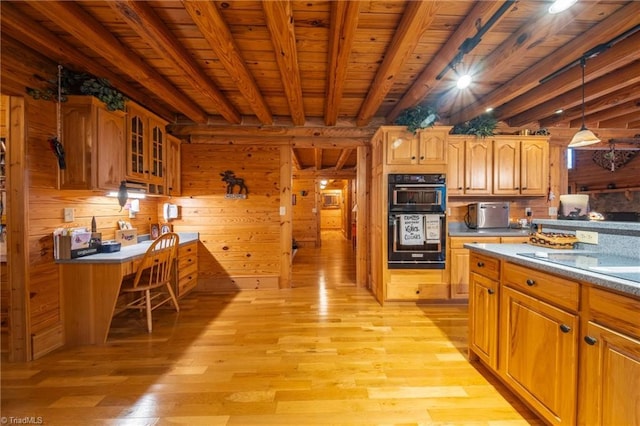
x=126 y=253
x=513 y=253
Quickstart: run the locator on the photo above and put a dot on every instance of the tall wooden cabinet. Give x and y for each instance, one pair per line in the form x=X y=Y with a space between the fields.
x=93 y=138
x=146 y=149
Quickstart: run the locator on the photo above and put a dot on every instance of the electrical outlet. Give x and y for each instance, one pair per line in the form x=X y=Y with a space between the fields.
x=527 y=211
x=588 y=237
x=553 y=211
x=68 y=214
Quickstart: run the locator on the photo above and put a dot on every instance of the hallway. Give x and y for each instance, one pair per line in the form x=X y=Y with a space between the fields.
x=279 y=357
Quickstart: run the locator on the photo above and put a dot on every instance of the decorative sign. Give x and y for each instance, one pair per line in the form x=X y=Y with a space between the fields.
x=412 y=230
x=232 y=182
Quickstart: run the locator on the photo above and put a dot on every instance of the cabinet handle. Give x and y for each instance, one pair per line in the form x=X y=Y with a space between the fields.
x=524 y=187
x=422 y=157
x=468 y=187
x=516 y=188
x=565 y=328
x=490 y=291
x=413 y=158
x=480 y=264
x=590 y=340
x=459 y=187
x=531 y=282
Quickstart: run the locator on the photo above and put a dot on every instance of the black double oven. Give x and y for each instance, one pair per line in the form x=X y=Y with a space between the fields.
x=417 y=221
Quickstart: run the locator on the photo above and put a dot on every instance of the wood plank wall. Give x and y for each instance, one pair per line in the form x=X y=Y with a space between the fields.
x=45 y=214
x=586 y=173
x=305 y=213
x=241 y=237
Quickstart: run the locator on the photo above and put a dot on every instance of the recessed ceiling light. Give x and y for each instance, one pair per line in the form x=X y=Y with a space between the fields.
x=489 y=109
x=464 y=81
x=559 y=111
x=561 y=5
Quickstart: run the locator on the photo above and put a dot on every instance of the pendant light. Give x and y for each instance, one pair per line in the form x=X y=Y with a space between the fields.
x=584 y=136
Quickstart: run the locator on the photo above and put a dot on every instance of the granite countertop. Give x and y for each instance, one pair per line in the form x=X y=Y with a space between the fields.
x=510 y=252
x=459 y=229
x=127 y=253
x=627 y=228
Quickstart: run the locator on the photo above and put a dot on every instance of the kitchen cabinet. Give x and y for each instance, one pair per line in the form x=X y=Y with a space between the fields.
x=483 y=309
x=470 y=166
x=93 y=140
x=521 y=167
x=427 y=146
x=609 y=359
x=497 y=166
x=187 y=276
x=174 y=183
x=416 y=284
x=538 y=340
x=146 y=149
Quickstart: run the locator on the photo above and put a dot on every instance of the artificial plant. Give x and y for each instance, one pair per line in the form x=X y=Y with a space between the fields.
x=417 y=117
x=480 y=126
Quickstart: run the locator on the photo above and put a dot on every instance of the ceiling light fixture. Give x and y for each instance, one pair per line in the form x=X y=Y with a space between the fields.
x=584 y=136
x=464 y=81
x=489 y=109
x=558 y=111
x=561 y=5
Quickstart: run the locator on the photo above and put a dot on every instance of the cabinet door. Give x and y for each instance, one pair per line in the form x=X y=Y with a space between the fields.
x=534 y=167
x=432 y=148
x=136 y=146
x=78 y=141
x=478 y=167
x=174 y=186
x=610 y=369
x=110 y=161
x=402 y=147
x=506 y=167
x=459 y=273
x=538 y=354
x=455 y=167
x=157 y=157
x=483 y=319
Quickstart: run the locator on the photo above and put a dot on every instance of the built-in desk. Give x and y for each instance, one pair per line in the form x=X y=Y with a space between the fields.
x=90 y=287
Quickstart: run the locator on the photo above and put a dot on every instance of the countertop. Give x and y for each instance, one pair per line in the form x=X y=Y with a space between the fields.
x=510 y=252
x=127 y=253
x=459 y=229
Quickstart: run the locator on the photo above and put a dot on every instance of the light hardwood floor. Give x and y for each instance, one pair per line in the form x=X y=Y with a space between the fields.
x=323 y=352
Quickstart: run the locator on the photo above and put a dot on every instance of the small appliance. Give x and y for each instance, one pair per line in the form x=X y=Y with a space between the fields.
x=487 y=215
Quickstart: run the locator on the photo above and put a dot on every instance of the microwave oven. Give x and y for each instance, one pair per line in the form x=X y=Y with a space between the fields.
x=487 y=215
x=417 y=193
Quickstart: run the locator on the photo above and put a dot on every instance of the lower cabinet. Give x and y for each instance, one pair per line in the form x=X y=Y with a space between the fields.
x=483 y=324
x=413 y=285
x=538 y=354
x=609 y=360
x=187 y=276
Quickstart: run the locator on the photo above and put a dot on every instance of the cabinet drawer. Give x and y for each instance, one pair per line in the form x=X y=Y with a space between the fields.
x=559 y=291
x=459 y=242
x=186 y=261
x=187 y=283
x=409 y=291
x=483 y=265
x=187 y=249
x=621 y=313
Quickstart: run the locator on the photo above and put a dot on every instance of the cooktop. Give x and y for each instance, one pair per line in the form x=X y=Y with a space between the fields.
x=627 y=268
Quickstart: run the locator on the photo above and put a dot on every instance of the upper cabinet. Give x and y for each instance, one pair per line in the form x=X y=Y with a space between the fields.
x=174 y=184
x=501 y=165
x=93 y=138
x=523 y=167
x=427 y=146
x=146 y=149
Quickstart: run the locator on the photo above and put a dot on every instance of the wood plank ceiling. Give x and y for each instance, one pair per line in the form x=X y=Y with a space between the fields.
x=323 y=75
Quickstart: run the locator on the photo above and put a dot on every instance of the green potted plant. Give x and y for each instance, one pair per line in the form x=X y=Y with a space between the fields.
x=480 y=126
x=417 y=117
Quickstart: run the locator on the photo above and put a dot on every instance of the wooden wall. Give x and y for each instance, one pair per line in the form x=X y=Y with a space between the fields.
x=305 y=212
x=240 y=237
x=586 y=173
x=45 y=214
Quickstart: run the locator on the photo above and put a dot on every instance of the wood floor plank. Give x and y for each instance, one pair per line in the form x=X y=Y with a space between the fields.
x=323 y=352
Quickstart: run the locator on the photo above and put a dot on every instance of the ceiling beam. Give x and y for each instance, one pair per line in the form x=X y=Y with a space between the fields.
x=215 y=30
x=344 y=22
x=416 y=18
x=531 y=106
x=143 y=20
x=295 y=158
x=274 y=131
x=317 y=156
x=279 y=17
x=622 y=122
x=623 y=77
x=294 y=142
x=37 y=37
x=89 y=31
x=426 y=81
x=342 y=159
x=620 y=21
x=631 y=107
x=324 y=174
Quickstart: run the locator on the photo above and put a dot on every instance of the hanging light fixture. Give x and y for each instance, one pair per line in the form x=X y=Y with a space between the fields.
x=584 y=136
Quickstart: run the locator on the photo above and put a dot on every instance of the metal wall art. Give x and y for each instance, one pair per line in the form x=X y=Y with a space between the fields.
x=232 y=182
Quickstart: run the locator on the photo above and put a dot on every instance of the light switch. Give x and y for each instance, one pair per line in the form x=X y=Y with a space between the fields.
x=68 y=214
